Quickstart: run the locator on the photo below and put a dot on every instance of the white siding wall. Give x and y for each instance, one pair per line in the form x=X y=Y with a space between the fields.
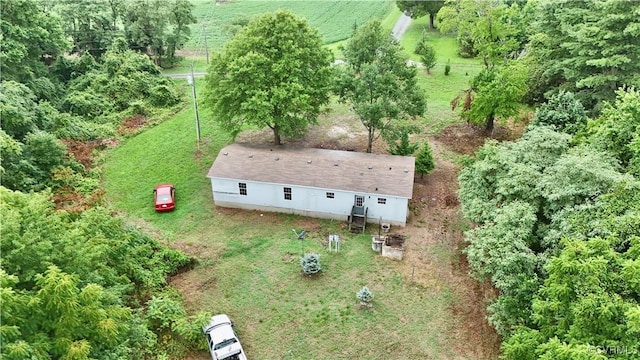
x=306 y=201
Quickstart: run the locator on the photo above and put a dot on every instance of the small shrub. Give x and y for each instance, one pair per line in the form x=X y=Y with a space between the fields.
x=310 y=264
x=365 y=296
x=404 y=147
x=428 y=58
x=424 y=160
x=447 y=68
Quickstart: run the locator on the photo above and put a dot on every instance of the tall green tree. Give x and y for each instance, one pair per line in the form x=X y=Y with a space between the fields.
x=488 y=28
x=590 y=48
x=617 y=129
x=158 y=27
x=377 y=83
x=31 y=38
x=91 y=24
x=273 y=73
x=416 y=9
x=494 y=93
x=424 y=160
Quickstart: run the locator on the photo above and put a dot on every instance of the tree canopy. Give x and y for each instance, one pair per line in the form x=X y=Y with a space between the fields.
x=494 y=93
x=490 y=29
x=590 y=48
x=67 y=293
x=417 y=8
x=153 y=27
x=273 y=73
x=377 y=83
x=31 y=38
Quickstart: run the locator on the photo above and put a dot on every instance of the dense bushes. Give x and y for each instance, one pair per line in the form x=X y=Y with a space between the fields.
x=78 y=285
x=558 y=233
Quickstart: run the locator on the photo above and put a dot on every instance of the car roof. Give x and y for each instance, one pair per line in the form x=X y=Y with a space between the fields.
x=161 y=186
x=218 y=321
x=164 y=189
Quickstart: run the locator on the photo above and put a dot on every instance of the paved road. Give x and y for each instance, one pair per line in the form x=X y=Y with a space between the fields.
x=401 y=26
x=399 y=29
x=185 y=75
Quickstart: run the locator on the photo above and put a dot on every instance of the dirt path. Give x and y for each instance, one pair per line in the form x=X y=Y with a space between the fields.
x=434 y=257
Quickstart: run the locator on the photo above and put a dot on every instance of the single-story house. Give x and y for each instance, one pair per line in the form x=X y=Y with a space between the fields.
x=313 y=182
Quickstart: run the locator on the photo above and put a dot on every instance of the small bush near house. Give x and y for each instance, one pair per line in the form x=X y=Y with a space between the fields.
x=310 y=264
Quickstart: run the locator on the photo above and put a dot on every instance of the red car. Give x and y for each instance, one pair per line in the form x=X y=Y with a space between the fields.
x=164 y=196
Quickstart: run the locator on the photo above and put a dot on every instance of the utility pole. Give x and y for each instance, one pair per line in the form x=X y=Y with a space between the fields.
x=192 y=81
x=206 y=47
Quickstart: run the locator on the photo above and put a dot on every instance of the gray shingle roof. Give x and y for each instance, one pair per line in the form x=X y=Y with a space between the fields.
x=326 y=169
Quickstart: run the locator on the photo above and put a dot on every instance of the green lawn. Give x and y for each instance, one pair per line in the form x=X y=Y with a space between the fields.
x=249 y=262
x=440 y=89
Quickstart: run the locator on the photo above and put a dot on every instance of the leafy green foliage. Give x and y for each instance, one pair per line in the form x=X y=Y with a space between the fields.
x=310 y=264
x=123 y=78
x=563 y=111
x=521 y=194
x=365 y=296
x=377 y=83
x=274 y=73
x=424 y=160
x=490 y=29
x=617 y=129
x=66 y=291
x=498 y=92
x=155 y=27
x=403 y=147
x=427 y=53
x=588 y=48
x=588 y=303
x=30 y=37
x=417 y=8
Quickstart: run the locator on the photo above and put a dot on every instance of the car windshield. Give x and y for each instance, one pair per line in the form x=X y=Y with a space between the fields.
x=225 y=343
x=164 y=197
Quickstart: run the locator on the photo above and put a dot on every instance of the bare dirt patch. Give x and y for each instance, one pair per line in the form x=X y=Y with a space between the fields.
x=340 y=135
x=132 y=125
x=434 y=259
x=83 y=151
x=466 y=138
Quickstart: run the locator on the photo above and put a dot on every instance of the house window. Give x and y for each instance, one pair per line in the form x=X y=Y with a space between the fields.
x=330 y=195
x=287 y=193
x=359 y=200
x=382 y=201
x=243 y=188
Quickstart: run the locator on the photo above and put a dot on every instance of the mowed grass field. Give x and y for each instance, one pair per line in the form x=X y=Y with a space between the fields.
x=249 y=261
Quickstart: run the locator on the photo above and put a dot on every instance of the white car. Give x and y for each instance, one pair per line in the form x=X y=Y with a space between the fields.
x=222 y=339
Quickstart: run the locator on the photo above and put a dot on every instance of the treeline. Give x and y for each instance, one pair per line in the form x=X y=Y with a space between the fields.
x=558 y=235
x=557 y=211
x=75 y=282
